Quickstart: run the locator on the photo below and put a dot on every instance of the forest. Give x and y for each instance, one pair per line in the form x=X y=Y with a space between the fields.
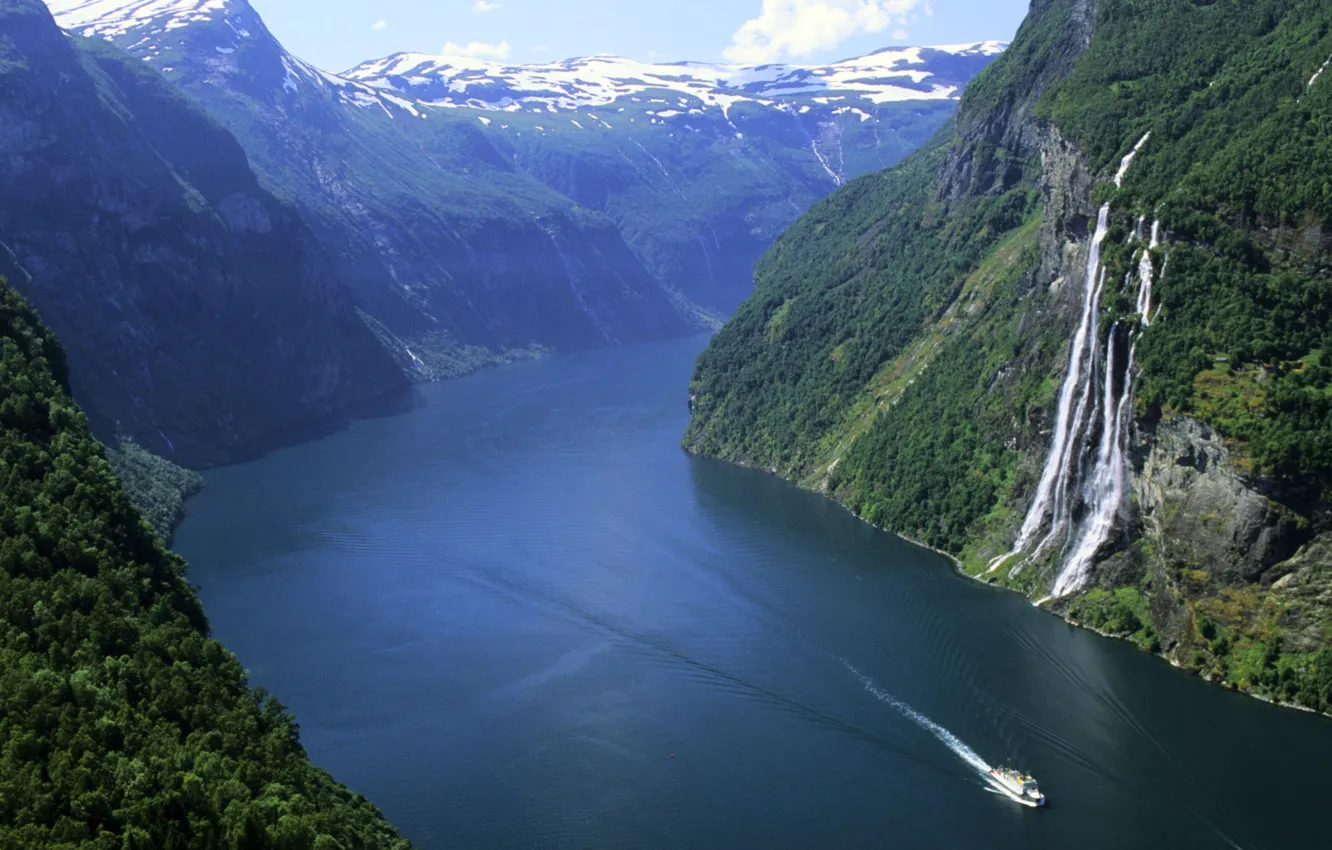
x=123 y=726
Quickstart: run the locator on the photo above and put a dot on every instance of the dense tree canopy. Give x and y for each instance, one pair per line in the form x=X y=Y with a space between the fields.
x=122 y=724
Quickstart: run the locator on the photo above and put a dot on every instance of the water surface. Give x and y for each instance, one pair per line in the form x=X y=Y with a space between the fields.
x=520 y=616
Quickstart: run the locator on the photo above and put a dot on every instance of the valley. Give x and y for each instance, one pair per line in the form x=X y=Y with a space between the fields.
x=436 y=235
x=623 y=452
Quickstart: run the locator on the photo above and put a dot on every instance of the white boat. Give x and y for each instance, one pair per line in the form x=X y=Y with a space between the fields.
x=1017 y=785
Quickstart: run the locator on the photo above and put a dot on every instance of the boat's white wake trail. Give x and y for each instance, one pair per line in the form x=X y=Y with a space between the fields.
x=951 y=741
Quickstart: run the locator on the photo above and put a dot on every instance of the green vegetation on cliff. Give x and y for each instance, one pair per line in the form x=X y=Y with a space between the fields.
x=156 y=486
x=842 y=292
x=122 y=725
x=907 y=338
x=1237 y=169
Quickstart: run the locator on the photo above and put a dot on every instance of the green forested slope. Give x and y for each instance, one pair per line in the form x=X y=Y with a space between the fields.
x=122 y=725
x=1239 y=169
x=907 y=337
x=852 y=305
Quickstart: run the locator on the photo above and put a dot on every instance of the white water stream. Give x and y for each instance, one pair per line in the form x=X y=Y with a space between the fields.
x=1145 y=274
x=1128 y=160
x=1084 y=481
x=1053 y=478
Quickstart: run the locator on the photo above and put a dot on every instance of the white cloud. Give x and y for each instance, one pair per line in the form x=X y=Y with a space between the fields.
x=901 y=35
x=485 y=6
x=380 y=24
x=479 y=50
x=792 y=28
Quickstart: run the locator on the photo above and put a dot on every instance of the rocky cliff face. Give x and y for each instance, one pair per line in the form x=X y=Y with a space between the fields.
x=199 y=313
x=1034 y=345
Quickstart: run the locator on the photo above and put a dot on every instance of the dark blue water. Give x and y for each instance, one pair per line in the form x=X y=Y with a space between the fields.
x=521 y=616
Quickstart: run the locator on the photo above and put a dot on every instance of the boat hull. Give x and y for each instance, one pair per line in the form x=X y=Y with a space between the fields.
x=1015 y=793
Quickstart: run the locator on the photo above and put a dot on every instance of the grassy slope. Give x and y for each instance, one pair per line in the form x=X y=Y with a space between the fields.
x=893 y=350
x=122 y=725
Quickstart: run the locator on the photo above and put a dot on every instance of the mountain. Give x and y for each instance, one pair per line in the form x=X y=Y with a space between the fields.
x=124 y=725
x=436 y=237
x=1078 y=341
x=858 y=85
x=199 y=312
x=700 y=166
x=558 y=206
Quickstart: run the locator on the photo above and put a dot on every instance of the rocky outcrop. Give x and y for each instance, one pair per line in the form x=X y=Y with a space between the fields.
x=1305 y=591
x=1202 y=514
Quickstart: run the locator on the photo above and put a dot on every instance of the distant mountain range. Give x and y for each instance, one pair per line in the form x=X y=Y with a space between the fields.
x=470 y=212
x=887 y=76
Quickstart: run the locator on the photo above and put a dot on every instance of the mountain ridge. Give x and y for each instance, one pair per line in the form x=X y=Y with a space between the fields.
x=673 y=188
x=590 y=82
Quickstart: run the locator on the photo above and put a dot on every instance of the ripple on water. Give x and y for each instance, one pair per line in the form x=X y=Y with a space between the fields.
x=499 y=615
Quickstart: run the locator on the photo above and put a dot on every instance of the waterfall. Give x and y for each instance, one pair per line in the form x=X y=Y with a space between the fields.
x=1145 y=273
x=823 y=160
x=1052 y=486
x=1105 y=490
x=577 y=288
x=1069 y=474
x=1318 y=74
x=1128 y=160
x=1084 y=481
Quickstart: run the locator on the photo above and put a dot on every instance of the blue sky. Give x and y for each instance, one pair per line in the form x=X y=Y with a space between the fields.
x=336 y=34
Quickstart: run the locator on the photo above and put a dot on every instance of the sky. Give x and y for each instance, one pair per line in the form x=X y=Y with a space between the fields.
x=337 y=34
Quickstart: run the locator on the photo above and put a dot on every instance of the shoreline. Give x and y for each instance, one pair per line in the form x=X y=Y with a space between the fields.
x=957 y=568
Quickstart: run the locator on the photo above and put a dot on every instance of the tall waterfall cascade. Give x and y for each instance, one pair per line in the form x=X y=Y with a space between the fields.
x=1084 y=483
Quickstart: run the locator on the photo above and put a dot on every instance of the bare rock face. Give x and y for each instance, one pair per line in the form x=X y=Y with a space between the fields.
x=1305 y=591
x=1203 y=513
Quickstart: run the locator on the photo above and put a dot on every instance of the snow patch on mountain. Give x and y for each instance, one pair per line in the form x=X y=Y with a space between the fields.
x=892 y=75
x=111 y=19
x=409 y=83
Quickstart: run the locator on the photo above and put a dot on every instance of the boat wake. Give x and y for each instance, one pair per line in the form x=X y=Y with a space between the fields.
x=948 y=739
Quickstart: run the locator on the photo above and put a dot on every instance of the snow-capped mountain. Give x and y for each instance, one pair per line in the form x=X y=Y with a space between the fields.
x=222 y=39
x=432 y=178
x=111 y=19
x=405 y=81
x=887 y=76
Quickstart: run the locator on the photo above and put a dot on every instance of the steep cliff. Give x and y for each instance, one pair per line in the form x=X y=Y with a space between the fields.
x=1077 y=341
x=199 y=312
